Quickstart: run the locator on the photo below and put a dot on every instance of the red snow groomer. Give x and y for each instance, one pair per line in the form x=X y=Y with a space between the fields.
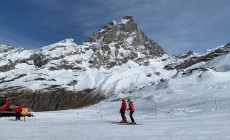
x=4 y=103
x=6 y=110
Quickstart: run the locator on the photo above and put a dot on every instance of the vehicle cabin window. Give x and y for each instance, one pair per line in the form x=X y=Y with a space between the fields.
x=2 y=101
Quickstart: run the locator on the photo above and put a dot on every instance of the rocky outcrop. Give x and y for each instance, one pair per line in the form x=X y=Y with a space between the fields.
x=186 y=55
x=55 y=99
x=5 y=48
x=204 y=58
x=118 y=42
x=39 y=60
x=7 y=67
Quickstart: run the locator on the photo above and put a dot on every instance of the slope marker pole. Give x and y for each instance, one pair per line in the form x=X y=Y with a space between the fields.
x=100 y=112
x=155 y=107
x=216 y=104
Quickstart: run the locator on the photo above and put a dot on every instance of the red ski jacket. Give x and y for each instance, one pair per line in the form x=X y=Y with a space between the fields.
x=131 y=106
x=17 y=109
x=123 y=106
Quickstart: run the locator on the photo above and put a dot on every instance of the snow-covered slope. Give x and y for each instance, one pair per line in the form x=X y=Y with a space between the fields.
x=77 y=67
x=190 y=59
x=130 y=73
x=221 y=63
x=195 y=106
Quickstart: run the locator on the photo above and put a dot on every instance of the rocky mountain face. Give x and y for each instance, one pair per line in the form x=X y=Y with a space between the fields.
x=118 y=42
x=6 y=62
x=189 y=59
x=50 y=78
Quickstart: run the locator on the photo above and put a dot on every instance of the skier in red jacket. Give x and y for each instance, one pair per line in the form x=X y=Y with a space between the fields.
x=131 y=109
x=17 y=110
x=122 y=111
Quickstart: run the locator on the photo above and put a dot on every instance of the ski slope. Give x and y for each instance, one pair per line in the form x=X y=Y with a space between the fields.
x=195 y=106
x=86 y=125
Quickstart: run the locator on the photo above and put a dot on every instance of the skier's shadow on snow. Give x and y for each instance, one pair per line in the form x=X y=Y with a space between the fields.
x=14 y=120
x=114 y=122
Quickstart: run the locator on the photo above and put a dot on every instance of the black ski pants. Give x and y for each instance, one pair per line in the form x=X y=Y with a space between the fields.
x=131 y=116
x=17 y=115
x=123 y=114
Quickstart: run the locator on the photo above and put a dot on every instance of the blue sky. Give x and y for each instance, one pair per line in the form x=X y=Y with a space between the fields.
x=177 y=25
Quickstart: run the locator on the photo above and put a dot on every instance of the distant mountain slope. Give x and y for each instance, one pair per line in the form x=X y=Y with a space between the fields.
x=210 y=56
x=118 y=58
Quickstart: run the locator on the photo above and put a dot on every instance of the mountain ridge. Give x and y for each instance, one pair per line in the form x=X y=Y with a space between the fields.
x=116 y=60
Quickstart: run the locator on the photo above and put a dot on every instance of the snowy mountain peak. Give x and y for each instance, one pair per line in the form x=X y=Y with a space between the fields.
x=124 y=32
x=127 y=17
x=228 y=44
x=5 y=47
x=118 y=42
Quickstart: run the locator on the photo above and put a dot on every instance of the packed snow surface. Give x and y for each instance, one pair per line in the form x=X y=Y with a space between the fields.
x=195 y=106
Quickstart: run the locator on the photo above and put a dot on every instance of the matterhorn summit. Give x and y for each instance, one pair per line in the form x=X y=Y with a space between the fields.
x=118 y=42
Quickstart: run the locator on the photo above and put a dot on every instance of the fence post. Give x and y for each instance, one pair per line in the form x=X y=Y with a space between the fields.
x=100 y=112
x=134 y=96
x=155 y=104
x=155 y=107
x=215 y=104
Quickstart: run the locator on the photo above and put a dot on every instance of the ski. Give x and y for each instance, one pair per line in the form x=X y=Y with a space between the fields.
x=129 y=124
